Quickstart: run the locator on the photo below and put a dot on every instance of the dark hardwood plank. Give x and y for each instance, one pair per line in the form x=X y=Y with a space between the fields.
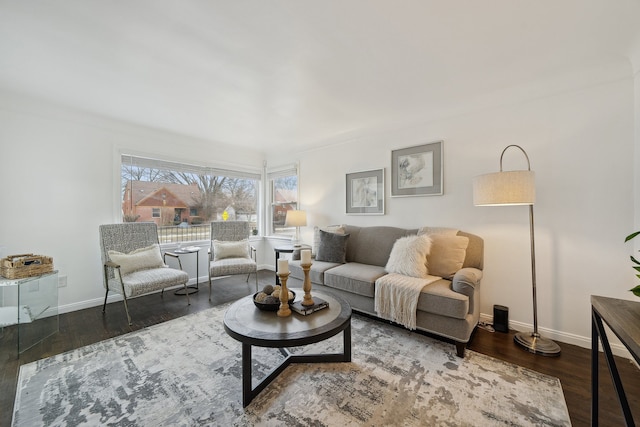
x=88 y=326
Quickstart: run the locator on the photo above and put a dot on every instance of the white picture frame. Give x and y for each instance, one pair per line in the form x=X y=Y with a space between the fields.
x=365 y=192
x=417 y=171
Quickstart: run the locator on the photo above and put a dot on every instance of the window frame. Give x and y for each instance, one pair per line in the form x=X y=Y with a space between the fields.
x=181 y=165
x=271 y=175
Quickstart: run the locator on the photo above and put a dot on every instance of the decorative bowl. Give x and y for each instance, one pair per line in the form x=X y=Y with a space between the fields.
x=271 y=307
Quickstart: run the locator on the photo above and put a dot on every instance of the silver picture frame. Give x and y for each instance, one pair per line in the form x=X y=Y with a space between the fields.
x=417 y=171
x=365 y=192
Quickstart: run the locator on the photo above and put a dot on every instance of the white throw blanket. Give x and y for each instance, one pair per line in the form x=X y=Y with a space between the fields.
x=397 y=296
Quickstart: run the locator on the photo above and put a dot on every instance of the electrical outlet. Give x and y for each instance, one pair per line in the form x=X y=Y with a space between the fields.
x=62 y=281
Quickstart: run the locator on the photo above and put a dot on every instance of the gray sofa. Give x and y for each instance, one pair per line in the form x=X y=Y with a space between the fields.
x=448 y=307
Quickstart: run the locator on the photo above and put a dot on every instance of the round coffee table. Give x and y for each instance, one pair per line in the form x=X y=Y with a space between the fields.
x=246 y=323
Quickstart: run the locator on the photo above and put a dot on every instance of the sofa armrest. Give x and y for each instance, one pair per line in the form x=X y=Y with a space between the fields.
x=466 y=281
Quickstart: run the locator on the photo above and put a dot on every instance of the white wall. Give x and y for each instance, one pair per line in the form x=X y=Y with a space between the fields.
x=579 y=137
x=59 y=180
x=577 y=129
x=636 y=75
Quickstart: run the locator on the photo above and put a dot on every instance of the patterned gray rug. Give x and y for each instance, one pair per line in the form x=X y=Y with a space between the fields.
x=187 y=372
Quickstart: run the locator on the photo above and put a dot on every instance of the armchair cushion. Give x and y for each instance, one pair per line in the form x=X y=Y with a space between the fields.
x=230 y=249
x=231 y=266
x=149 y=280
x=139 y=259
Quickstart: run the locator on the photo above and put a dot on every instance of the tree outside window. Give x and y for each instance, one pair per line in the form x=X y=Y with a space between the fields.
x=183 y=199
x=284 y=197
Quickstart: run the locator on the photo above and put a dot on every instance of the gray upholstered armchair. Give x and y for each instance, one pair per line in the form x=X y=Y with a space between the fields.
x=133 y=264
x=231 y=252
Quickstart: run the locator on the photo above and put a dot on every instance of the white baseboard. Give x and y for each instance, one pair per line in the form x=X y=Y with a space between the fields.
x=81 y=305
x=564 y=337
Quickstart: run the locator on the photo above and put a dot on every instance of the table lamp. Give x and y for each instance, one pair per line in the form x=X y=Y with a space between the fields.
x=508 y=188
x=296 y=219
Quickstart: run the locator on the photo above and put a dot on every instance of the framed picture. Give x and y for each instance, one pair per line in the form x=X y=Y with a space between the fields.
x=365 y=192
x=417 y=171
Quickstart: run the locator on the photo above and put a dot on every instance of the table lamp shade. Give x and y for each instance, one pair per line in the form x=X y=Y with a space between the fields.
x=295 y=219
x=505 y=188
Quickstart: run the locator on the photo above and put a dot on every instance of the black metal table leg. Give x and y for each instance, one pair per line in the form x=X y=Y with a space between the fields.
x=613 y=370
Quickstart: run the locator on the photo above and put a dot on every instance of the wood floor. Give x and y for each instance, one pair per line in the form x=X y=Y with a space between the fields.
x=88 y=326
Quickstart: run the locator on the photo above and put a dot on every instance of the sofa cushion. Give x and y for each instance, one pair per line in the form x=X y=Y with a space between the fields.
x=333 y=247
x=139 y=259
x=316 y=272
x=354 y=277
x=447 y=254
x=409 y=256
x=439 y=298
x=372 y=245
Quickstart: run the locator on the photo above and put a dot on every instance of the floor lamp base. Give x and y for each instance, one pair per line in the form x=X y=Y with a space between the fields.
x=534 y=343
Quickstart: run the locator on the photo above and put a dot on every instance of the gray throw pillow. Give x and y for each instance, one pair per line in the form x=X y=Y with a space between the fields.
x=332 y=248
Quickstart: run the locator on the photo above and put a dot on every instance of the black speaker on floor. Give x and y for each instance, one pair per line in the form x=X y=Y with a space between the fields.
x=501 y=318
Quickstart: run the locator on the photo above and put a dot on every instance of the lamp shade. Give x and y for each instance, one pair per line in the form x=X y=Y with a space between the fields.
x=505 y=188
x=295 y=219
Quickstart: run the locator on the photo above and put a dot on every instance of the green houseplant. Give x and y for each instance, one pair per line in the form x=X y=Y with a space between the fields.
x=636 y=264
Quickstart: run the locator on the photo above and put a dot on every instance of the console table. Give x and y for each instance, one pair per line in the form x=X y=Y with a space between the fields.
x=31 y=304
x=623 y=317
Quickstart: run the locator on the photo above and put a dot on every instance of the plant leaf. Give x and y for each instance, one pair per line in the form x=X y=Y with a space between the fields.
x=634 y=260
x=636 y=291
x=631 y=236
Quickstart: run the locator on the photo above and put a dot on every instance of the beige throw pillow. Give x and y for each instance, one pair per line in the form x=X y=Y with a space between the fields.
x=230 y=249
x=409 y=256
x=140 y=259
x=447 y=254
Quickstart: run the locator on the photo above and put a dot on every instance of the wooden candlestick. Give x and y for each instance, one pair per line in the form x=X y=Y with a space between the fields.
x=306 y=286
x=284 y=310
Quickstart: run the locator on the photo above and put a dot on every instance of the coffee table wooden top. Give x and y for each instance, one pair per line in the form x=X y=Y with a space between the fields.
x=250 y=325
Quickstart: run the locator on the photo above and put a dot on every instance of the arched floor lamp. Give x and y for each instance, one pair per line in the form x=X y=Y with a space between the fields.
x=516 y=188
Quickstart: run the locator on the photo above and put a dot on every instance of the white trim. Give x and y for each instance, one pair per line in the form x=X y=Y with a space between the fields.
x=282 y=170
x=563 y=337
x=123 y=151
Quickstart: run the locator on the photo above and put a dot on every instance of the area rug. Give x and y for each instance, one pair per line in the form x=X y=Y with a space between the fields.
x=187 y=372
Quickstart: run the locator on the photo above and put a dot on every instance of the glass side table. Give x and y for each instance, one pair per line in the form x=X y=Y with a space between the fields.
x=31 y=304
x=191 y=289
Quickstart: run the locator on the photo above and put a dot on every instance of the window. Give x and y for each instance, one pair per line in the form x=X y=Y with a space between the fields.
x=284 y=197
x=183 y=199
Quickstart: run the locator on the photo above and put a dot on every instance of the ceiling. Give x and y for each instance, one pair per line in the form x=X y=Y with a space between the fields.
x=270 y=73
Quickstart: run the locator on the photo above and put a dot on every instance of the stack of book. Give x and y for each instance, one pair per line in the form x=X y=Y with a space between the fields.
x=318 y=304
